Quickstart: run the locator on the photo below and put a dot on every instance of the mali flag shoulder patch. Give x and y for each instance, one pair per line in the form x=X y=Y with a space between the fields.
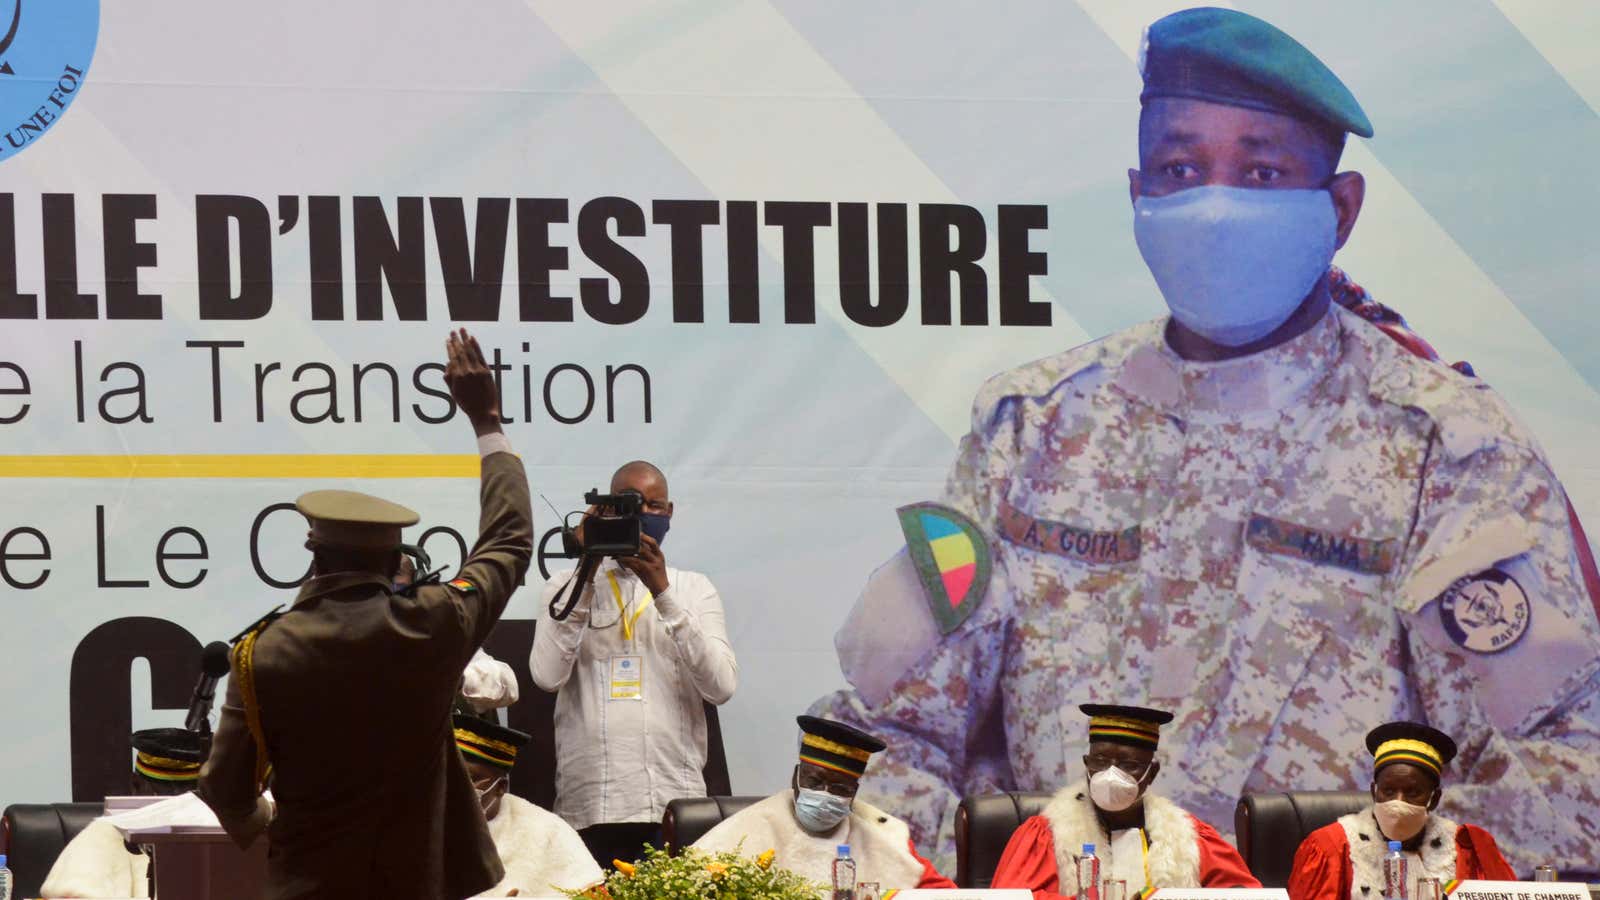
x=952 y=561
x=463 y=585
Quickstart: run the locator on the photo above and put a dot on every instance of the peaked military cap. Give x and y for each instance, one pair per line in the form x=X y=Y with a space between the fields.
x=352 y=519
x=489 y=742
x=836 y=746
x=1135 y=726
x=1410 y=742
x=168 y=755
x=1229 y=57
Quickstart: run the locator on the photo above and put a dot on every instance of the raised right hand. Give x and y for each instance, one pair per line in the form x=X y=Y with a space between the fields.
x=471 y=383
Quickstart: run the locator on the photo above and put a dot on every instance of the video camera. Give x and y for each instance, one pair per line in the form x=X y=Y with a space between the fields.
x=612 y=530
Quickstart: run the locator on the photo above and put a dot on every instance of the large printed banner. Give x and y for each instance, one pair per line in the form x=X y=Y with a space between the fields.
x=774 y=247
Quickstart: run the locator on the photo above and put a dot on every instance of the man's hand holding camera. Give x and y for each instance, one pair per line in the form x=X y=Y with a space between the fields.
x=650 y=565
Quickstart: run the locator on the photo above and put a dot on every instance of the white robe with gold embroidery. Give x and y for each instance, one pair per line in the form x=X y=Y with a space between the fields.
x=541 y=853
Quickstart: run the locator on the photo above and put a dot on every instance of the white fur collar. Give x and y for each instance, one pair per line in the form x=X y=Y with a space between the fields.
x=96 y=863
x=1368 y=847
x=1173 y=860
x=541 y=853
x=879 y=843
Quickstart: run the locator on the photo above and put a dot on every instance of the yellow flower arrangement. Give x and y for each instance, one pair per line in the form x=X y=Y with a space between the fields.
x=698 y=875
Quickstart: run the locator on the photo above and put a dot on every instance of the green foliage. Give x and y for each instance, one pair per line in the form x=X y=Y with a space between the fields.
x=697 y=875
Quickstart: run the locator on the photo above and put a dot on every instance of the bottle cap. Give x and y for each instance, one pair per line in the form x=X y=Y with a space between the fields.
x=2 y=860
x=844 y=849
x=1394 y=845
x=1088 y=848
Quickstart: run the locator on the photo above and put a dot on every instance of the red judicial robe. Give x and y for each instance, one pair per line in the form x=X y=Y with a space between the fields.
x=1344 y=860
x=1183 y=851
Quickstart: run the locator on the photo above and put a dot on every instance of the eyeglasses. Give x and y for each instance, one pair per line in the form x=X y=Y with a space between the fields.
x=811 y=781
x=487 y=786
x=1097 y=763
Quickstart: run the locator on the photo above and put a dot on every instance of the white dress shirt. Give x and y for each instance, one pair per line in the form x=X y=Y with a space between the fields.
x=622 y=760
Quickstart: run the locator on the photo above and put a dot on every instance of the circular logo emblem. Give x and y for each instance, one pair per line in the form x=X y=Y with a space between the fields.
x=45 y=48
x=1486 y=612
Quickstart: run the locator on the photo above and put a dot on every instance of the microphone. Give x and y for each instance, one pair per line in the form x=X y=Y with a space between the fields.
x=214 y=664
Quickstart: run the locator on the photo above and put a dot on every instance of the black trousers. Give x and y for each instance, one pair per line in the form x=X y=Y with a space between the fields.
x=620 y=840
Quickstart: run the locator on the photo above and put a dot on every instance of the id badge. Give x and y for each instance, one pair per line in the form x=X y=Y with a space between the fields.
x=627 y=678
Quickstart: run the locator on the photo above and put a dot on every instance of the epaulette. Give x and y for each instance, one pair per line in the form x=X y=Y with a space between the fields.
x=1468 y=414
x=259 y=624
x=410 y=590
x=1042 y=376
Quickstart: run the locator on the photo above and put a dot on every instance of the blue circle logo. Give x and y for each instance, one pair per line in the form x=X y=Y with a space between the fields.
x=45 y=49
x=1487 y=612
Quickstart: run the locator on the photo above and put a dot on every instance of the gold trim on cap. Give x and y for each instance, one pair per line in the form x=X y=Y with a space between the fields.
x=474 y=738
x=1140 y=725
x=845 y=750
x=162 y=762
x=1412 y=745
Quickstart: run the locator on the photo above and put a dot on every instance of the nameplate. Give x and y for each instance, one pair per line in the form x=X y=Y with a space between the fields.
x=1520 y=890
x=1068 y=541
x=1220 y=894
x=1322 y=548
x=959 y=894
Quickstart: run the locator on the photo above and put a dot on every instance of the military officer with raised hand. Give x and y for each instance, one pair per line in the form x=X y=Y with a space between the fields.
x=344 y=701
x=1259 y=512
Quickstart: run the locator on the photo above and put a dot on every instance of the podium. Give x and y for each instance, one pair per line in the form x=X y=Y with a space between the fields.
x=203 y=864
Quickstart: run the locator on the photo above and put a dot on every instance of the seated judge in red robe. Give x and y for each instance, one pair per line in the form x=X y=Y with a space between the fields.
x=1344 y=861
x=805 y=823
x=1140 y=838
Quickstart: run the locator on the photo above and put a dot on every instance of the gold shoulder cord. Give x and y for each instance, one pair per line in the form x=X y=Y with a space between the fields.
x=244 y=667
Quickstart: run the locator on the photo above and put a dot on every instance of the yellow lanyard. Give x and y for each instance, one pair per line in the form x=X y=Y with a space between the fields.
x=626 y=620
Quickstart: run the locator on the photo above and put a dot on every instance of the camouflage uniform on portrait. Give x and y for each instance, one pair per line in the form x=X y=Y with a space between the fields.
x=1266 y=545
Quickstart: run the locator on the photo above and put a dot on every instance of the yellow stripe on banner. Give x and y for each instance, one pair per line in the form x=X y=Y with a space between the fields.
x=259 y=465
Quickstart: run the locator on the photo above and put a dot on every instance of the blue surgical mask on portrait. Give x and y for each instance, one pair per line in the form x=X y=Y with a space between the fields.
x=1234 y=263
x=819 y=812
x=655 y=525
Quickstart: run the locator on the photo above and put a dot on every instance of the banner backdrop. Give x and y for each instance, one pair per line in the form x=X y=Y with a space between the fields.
x=772 y=247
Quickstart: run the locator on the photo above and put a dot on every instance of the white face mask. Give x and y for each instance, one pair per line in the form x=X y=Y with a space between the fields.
x=1113 y=790
x=1399 y=820
x=1234 y=263
x=819 y=812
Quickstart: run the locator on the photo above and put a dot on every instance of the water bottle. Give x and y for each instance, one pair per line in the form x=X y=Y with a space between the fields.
x=1088 y=872
x=5 y=879
x=1394 y=873
x=844 y=875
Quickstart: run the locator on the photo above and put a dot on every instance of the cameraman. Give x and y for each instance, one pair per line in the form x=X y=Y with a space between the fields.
x=644 y=645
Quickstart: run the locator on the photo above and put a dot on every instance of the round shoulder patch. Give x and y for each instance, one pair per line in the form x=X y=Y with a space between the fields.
x=1487 y=612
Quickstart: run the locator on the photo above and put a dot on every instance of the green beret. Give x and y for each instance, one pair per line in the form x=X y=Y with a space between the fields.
x=1228 y=57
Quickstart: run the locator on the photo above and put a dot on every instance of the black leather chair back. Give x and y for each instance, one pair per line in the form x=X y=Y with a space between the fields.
x=35 y=834
x=688 y=819
x=1270 y=826
x=984 y=825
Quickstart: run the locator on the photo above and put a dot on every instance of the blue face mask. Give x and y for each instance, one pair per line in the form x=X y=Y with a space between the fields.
x=655 y=525
x=819 y=812
x=1234 y=263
